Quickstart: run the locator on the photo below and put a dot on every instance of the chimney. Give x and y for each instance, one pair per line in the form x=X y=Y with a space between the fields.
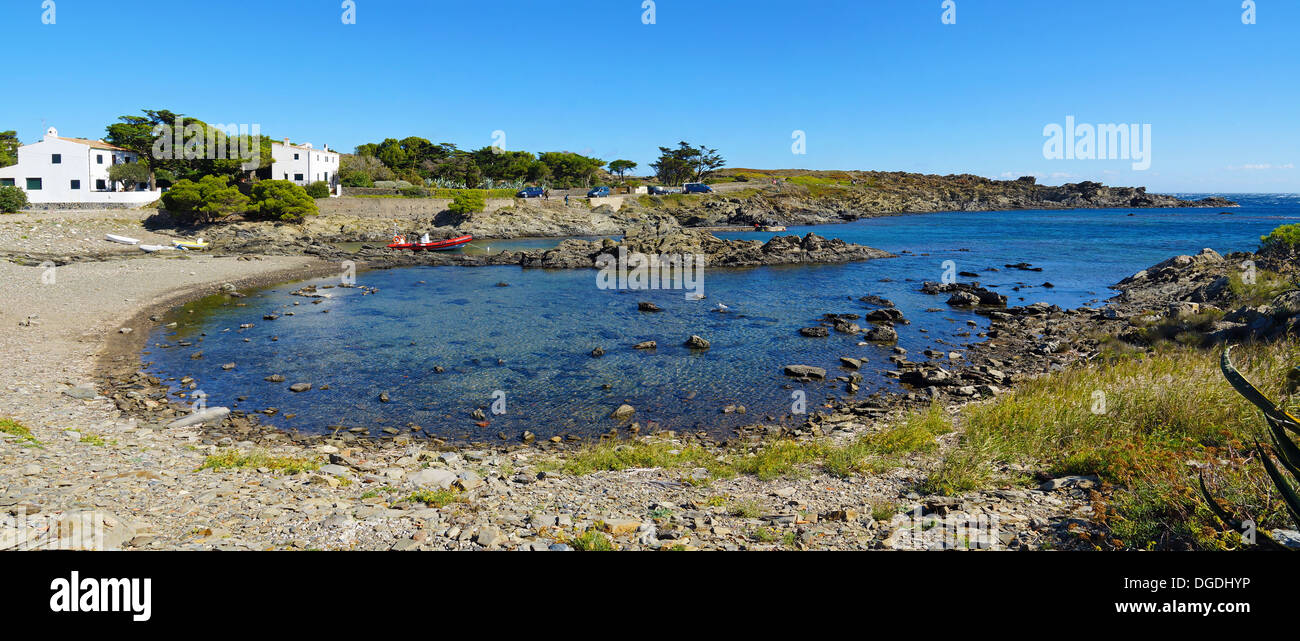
x=286 y=142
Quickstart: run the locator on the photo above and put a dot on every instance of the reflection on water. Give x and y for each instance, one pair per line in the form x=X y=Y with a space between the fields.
x=441 y=341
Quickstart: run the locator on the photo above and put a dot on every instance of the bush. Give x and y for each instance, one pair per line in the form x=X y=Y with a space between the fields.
x=318 y=189
x=1284 y=237
x=12 y=199
x=355 y=179
x=129 y=174
x=414 y=192
x=467 y=202
x=210 y=198
x=282 y=200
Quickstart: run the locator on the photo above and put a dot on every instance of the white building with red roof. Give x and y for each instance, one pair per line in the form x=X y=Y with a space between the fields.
x=60 y=170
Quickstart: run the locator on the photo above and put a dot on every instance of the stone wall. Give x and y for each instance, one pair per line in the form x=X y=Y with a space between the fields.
x=396 y=208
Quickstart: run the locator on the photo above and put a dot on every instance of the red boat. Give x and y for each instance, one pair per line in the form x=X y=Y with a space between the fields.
x=399 y=242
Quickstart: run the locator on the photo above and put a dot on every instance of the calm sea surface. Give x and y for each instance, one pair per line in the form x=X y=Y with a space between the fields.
x=530 y=343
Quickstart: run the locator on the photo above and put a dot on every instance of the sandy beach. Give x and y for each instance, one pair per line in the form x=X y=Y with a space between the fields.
x=63 y=333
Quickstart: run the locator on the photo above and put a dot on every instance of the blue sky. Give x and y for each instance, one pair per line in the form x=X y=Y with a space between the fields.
x=875 y=84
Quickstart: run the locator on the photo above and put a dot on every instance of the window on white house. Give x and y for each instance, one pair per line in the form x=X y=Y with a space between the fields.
x=56 y=159
x=33 y=184
x=99 y=159
x=101 y=185
x=76 y=184
x=295 y=156
x=297 y=177
x=6 y=182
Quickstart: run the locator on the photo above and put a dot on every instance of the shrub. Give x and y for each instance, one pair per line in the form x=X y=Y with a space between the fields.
x=355 y=179
x=318 y=189
x=282 y=200
x=129 y=174
x=469 y=201
x=12 y=199
x=1286 y=236
x=414 y=192
x=210 y=198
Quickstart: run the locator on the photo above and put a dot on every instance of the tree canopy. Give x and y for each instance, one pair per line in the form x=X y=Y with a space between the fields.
x=686 y=163
x=9 y=148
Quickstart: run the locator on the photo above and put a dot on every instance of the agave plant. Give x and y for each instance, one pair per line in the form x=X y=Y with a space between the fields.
x=1283 y=448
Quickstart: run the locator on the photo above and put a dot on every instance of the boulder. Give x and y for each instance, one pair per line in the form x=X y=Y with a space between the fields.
x=807 y=372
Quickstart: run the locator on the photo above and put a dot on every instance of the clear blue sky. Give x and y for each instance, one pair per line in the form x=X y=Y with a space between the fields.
x=875 y=84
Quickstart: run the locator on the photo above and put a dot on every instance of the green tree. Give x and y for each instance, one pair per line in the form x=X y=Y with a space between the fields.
x=185 y=147
x=621 y=167
x=499 y=164
x=208 y=199
x=12 y=199
x=570 y=167
x=282 y=200
x=318 y=189
x=467 y=202
x=686 y=163
x=9 y=148
x=129 y=174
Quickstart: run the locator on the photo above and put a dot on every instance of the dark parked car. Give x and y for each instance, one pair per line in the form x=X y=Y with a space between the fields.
x=530 y=192
x=597 y=192
x=660 y=191
x=697 y=188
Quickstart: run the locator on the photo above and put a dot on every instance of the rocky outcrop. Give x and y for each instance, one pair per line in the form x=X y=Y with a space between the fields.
x=716 y=252
x=869 y=193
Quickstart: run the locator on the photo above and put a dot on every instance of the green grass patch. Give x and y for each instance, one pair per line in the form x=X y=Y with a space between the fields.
x=10 y=426
x=96 y=440
x=614 y=456
x=876 y=452
x=436 y=498
x=592 y=541
x=1136 y=422
x=746 y=509
x=1263 y=288
x=235 y=459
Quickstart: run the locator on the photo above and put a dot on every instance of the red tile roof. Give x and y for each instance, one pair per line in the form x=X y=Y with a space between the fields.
x=94 y=144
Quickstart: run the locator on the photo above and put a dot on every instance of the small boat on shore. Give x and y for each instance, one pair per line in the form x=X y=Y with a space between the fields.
x=190 y=244
x=149 y=249
x=125 y=240
x=425 y=244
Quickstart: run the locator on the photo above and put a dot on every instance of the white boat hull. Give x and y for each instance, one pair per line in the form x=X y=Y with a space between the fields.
x=121 y=239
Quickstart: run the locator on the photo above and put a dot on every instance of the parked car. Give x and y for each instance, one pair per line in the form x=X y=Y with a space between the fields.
x=598 y=192
x=530 y=192
x=660 y=191
x=697 y=188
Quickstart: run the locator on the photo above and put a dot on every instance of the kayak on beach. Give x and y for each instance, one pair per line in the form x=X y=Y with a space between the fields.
x=190 y=244
x=425 y=244
x=114 y=238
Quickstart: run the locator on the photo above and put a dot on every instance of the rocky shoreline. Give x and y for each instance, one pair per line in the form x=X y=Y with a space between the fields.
x=104 y=448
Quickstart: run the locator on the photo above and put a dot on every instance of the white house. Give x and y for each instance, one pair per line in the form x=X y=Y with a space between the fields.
x=72 y=170
x=303 y=165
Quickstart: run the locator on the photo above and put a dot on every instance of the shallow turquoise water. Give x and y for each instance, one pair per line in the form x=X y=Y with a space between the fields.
x=532 y=340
